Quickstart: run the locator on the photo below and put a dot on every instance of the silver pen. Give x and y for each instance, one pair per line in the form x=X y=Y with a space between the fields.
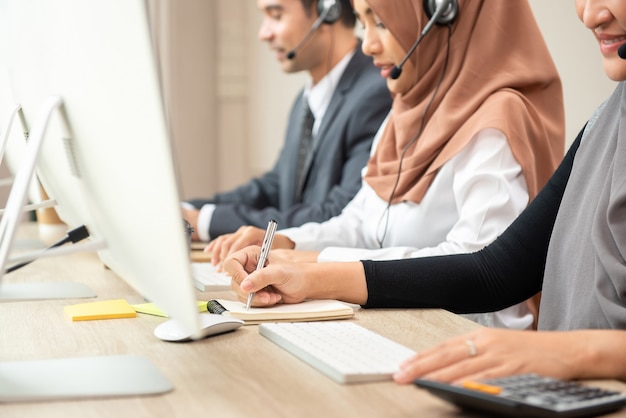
x=265 y=251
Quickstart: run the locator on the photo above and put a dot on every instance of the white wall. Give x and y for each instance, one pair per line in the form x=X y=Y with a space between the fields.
x=228 y=98
x=577 y=57
x=271 y=95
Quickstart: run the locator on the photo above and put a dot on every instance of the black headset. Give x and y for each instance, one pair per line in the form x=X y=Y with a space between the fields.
x=436 y=15
x=448 y=15
x=330 y=9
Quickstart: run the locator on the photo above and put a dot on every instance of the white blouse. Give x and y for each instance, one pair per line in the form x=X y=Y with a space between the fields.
x=473 y=199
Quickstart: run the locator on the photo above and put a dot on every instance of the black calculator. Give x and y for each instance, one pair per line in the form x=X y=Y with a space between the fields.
x=528 y=395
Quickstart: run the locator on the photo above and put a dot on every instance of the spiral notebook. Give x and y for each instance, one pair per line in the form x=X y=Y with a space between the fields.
x=311 y=310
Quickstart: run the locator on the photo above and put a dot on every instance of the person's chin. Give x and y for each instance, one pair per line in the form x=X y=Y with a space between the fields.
x=393 y=87
x=615 y=68
x=288 y=67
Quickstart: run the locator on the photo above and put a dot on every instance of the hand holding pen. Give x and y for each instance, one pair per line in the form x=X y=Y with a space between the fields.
x=265 y=252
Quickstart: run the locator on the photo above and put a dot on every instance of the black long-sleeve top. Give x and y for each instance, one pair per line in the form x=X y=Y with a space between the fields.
x=506 y=272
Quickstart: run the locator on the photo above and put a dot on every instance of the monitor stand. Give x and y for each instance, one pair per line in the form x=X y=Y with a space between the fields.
x=16 y=205
x=17 y=292
x=4 y=139
x=79 y=378
x=66 y=378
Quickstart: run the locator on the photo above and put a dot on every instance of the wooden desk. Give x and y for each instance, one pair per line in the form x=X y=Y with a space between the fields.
x=240 y=374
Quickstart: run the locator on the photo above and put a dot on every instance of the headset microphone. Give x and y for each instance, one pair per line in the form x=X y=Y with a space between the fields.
x=449 y=7
x=292 y=54
x=622 y=52
x=329 y=11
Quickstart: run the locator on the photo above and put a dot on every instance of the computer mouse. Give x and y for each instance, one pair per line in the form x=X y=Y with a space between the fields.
x=210 y=324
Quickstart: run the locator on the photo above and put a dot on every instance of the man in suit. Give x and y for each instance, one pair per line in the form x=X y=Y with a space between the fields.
x=348 y=100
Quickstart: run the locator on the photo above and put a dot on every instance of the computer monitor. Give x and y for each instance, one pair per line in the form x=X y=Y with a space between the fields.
x=106 y=155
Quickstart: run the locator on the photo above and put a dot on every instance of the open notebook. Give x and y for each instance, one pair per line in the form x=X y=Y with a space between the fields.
x=312 y=310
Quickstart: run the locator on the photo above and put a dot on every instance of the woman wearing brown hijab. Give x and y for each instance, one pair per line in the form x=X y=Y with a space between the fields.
x=476 y=129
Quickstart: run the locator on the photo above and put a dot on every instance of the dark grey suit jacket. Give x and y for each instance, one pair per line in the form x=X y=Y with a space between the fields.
x=341 y=149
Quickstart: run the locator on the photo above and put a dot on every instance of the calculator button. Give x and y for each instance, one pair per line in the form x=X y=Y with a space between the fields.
x=482 y=387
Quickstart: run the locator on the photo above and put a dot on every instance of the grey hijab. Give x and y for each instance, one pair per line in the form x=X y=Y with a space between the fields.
x=585 y=278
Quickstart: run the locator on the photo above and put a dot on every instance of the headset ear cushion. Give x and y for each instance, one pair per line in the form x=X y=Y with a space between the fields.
x=448 y=16
x=333 y=12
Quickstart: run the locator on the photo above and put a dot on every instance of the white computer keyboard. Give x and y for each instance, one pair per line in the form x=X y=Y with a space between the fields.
x=206 y=278
x=344 y=351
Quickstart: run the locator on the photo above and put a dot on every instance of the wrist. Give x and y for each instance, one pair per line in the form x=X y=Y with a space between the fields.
x=601 y=354
x=282 y=242
x=340 y=281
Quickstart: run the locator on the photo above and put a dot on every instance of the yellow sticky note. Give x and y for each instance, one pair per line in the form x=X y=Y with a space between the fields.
x=106 y=309
x=152 y=309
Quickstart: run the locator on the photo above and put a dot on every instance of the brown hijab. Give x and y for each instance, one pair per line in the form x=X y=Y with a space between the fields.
x=499 y=75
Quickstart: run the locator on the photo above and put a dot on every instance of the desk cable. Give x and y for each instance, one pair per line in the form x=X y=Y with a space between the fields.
x=75 y=235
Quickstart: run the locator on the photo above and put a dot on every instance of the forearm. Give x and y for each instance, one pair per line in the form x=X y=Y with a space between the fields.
x=581 y=354
x=341 y=281
x=506 y=272
x=603 y=355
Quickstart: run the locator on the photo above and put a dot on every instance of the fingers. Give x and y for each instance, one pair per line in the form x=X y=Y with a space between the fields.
x=257 y=281
x=447 y=362
x=244 y=237
x=242 y=263
x=265 y=297
x=488 y=353
x=224 y=245
x=245 y=279
x=458 y=359
x=215 y=247
x=488 y=371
